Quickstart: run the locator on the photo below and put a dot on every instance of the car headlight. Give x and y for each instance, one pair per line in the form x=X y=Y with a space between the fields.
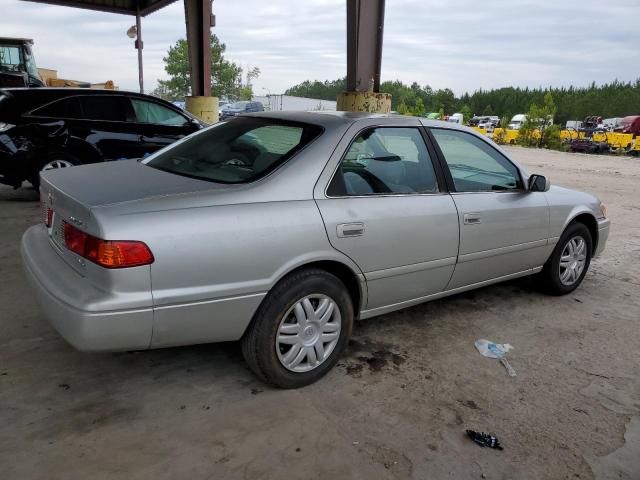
x=5 y=126
x=603 y=210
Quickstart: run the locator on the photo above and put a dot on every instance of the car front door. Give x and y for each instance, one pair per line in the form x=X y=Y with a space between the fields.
x=503 y=227
x=386 y=208
x=159 y=125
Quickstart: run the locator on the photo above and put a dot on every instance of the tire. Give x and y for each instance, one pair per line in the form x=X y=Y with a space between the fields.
x=551 y=279
x=51 y=161
x=279 y=319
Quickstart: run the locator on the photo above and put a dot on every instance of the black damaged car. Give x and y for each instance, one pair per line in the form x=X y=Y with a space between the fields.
x=44 y=128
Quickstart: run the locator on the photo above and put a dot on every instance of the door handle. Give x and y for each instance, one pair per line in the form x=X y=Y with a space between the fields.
x=350 y=229
x=472 y=218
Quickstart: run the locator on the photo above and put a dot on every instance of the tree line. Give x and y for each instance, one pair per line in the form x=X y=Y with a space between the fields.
x=228 y=80
x=615 y=99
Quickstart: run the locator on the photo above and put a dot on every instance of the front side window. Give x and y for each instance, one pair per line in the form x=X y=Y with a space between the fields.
x=239 y=151
x=474 y=165
x=385 y=161
x=150 y=112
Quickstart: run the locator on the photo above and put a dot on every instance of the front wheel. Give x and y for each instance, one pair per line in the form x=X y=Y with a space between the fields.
x=300 y=330
x=569 y=262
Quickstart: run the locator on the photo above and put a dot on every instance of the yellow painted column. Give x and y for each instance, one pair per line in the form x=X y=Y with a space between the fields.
x=205 y=108
x=374 y=102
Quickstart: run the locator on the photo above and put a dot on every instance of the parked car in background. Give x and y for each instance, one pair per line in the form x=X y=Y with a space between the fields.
x=280 y=229
x=517 y=121
x=573 y=125
x=48 y=128
x=489 y=123
x=456 y=118
x=630 y=124
x=233 y=109
x=612 y=124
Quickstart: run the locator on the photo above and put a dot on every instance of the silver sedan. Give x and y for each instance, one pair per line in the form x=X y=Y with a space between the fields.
x=280 y=229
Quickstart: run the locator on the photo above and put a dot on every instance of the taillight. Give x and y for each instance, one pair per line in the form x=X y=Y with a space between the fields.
x=107 y=253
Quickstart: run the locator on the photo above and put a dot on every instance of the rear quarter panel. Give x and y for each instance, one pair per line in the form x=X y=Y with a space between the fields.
x=214 y=265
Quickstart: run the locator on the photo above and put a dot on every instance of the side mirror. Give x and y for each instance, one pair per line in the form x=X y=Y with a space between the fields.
x=538 y=183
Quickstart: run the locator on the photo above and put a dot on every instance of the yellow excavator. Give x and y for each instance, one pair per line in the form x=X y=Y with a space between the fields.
x=18 y=68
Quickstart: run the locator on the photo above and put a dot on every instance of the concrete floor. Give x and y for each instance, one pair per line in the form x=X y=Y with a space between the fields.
x=397 y=405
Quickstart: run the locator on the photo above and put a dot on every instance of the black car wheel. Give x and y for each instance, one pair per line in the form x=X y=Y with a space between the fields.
x=53 y=161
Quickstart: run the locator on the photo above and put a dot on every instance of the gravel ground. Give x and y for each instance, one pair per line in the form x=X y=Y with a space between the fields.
x=397 y=405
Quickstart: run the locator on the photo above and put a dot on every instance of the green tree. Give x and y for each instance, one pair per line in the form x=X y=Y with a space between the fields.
x=537 y=128
x=403 y=109
x=226 y=76
x=466 y=113
x=615 y=99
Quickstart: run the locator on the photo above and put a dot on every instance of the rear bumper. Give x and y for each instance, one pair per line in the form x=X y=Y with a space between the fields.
x=68 y=302
x=603 y=235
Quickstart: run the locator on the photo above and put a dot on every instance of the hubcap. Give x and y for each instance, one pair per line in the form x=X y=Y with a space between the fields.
x=572 y=260
x=57 y=164
x=308 y=333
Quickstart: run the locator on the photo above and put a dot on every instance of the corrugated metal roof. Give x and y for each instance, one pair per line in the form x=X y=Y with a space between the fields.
x=126 y=7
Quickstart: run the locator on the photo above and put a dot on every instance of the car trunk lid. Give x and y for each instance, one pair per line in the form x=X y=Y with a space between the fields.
x=71 y=193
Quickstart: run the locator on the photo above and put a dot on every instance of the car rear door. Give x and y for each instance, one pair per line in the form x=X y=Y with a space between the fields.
x=503 y=228
x=386 y=207
x=102 y=123
x=158 y=124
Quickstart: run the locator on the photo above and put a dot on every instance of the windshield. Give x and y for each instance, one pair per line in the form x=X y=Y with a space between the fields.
x=239 y=151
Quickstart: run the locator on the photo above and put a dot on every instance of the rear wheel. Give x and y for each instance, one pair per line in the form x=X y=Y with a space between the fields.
x=53 y=161
x=569 y=262
x=300 y=330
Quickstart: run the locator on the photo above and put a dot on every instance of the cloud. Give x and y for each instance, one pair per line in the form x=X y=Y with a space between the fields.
x=463 y=45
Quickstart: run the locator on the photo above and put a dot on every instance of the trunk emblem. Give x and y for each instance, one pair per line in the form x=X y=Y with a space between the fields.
x=76 y=221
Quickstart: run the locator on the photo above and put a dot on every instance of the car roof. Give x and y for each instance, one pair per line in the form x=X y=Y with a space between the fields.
x=65 y=92
x=331 y=118
x=30 y=98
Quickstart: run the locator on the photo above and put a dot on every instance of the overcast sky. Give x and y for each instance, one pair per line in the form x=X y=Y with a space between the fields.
x=463 y=45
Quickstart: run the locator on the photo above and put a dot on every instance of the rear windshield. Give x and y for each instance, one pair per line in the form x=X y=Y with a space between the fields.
x=239 y=151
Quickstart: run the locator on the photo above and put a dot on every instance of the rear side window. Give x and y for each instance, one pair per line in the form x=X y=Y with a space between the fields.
x=385 y=161
x=150 y=112
x=65 y=108
x=89 y=107
x=239 y=151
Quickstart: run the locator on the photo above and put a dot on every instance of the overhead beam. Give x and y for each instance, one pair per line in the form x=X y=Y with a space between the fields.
x=127 y=7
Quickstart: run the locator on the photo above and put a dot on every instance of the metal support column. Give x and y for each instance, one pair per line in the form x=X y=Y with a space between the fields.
x=139 y=46
x=365 y=26
x=197 y=14
x=199 y=20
